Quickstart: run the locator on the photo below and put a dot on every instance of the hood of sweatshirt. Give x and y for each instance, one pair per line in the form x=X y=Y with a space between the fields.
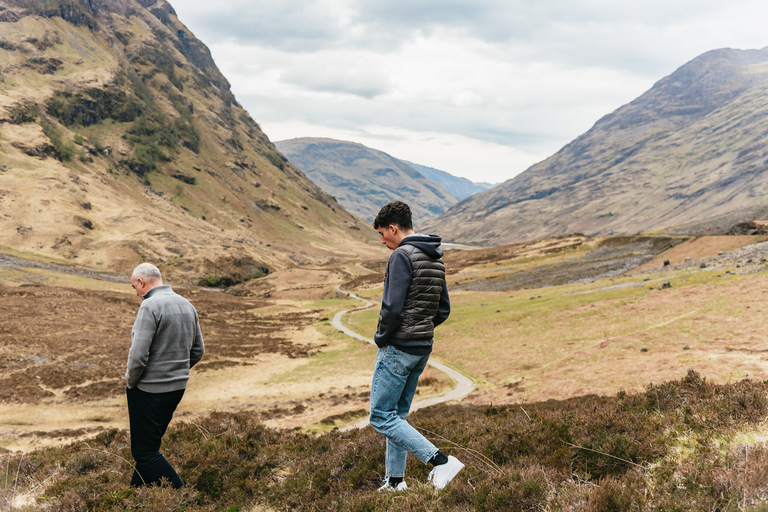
x=428 y=244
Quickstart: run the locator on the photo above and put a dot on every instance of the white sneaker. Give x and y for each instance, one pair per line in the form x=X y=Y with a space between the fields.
x=388 y=488
x=444 y=473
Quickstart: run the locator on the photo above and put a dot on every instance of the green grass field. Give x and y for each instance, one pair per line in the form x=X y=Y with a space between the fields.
x=563 y=341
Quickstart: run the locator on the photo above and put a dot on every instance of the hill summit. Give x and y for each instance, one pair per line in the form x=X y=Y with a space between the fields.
x=691 y=148
x=121 y=141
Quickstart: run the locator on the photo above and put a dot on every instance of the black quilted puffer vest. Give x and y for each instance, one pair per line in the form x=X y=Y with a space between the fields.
x=423 y=296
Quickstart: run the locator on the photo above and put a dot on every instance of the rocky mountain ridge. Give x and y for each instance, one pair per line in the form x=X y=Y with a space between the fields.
x=458 y=187
x=691 y=148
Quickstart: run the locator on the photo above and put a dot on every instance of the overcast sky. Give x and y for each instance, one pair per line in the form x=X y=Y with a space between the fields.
x=478 y=88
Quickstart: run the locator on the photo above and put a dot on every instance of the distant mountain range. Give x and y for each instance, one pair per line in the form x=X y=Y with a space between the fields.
x=694 y=147
x=459 y=188
x=363 y=179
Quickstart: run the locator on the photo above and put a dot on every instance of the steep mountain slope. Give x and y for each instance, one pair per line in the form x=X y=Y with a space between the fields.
x=459 y=188
x=121 y=141
x=693 y=147
x=364 y=179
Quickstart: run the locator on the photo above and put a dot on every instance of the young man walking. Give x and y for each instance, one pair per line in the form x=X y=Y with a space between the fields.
x=165 y=343
x=414 y=302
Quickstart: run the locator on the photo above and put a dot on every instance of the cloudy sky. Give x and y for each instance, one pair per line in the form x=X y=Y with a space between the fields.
x=478 y=88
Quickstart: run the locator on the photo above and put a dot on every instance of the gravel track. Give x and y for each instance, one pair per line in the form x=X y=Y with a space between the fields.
x=464 y=385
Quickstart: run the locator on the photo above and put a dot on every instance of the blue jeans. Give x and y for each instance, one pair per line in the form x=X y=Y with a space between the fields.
x=394 y=384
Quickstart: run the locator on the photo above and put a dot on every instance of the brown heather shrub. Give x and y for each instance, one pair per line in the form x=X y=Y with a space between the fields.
x=744 y=476
x=585 y=454
x=617 y=495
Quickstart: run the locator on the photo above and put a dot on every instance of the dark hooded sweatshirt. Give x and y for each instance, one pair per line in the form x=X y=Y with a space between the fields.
x=415 y=298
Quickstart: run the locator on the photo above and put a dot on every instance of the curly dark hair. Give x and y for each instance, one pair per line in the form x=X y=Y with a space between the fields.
x=397 y=213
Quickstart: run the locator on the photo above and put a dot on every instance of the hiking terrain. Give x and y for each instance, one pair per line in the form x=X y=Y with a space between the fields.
x=608 y=371
x=547 y=319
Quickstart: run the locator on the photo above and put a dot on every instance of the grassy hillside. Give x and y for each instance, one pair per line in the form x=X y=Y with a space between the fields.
x=121 y=141
x=690 y=149
x=558 y=318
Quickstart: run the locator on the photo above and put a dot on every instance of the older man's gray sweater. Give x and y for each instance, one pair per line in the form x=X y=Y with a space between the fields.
x=165 y=342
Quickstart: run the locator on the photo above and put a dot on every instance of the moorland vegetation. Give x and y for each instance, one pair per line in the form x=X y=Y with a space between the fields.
x=613 y=373
x=687 y=445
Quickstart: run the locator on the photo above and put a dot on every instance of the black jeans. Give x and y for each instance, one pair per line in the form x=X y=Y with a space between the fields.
x=149 y=415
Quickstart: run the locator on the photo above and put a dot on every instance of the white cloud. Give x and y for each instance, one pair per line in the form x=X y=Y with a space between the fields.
x=357 y=76
x=516 y=79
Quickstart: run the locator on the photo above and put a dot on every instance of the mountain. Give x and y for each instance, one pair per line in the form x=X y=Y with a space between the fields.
x=691 y=148
x=121 y=142
x=456 y=186
x=364 y=179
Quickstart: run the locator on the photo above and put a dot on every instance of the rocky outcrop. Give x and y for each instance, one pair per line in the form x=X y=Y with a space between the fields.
x=749 y=228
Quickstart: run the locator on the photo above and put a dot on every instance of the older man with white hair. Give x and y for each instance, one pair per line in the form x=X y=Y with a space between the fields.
x=165 y=343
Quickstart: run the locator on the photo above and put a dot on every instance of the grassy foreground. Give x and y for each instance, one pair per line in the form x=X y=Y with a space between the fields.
x=684 y=445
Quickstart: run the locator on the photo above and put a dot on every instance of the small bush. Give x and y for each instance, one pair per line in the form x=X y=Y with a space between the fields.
x=64 y=150
x=23 y=113
x=85 y=462
x=217 y=281
x=276 y=160
x=99 y=145
x=612 y=495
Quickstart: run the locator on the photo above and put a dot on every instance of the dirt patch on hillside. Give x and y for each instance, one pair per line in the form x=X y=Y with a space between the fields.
x=303 y=283
x=364 y=282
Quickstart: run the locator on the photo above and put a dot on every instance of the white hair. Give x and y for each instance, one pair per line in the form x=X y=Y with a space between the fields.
x=146 y=271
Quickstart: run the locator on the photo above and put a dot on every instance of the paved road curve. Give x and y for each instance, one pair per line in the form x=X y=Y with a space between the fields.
x=464 y=385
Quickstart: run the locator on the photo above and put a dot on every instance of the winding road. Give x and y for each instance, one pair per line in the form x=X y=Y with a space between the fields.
x=464 y=384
